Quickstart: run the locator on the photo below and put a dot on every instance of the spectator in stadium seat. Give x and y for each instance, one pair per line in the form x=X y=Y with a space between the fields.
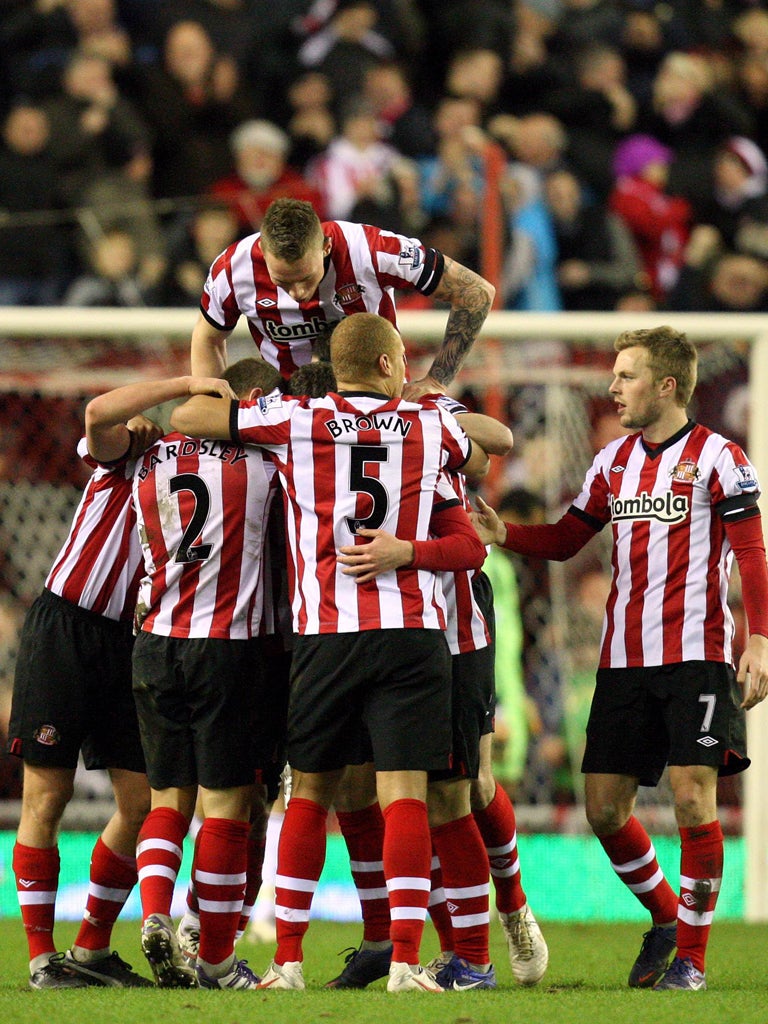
x=113 y=278
x=666 y=679
x=356 y=164
x=691 y=113
x=32 y=263
x=738 y=204
x=658 y=220
x=597 y=259
x=262 y=173
x=100 y=146
x=192 y=101
x=193 y=244
x=344 y=42
x=406 y=124
x=311 y=122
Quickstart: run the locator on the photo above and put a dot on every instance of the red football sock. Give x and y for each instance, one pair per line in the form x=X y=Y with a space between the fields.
x=112 y=878
x=498 y=827
x=220 y=867
x=633 y=858
x=363 y=833
x=300 y=859
x=158 y=856
x=701 y=872
x=37 y=882
x=407 y=857
x=464 y=863
x=439 y=913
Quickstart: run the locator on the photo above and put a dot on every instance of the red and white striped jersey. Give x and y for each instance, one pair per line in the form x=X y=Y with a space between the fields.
x=365 y=266
x=346 y=462
x=100 y=564
x=671 y=557
x=202 y=511
x=467 y=629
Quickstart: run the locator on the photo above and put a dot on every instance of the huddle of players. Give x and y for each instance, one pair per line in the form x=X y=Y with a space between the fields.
x=207 y=710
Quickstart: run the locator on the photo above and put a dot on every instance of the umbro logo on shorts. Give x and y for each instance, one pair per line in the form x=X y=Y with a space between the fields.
x=707 y=741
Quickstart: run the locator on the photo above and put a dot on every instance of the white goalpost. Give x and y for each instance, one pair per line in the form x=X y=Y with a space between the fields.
x=159 y=338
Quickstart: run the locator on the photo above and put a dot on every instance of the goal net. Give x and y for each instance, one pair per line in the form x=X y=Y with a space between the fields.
x=546 y=376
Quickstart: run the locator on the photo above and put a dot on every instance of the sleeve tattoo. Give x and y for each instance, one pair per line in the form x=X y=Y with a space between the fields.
x=470 y=302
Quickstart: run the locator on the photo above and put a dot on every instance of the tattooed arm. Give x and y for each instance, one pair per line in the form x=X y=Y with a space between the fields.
x=471 y=297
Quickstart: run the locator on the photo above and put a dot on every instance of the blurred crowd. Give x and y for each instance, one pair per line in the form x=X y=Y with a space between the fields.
x=139 y=139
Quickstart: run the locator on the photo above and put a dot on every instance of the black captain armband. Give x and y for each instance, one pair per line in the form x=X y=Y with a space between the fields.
x=741 y=506
x=432 y=274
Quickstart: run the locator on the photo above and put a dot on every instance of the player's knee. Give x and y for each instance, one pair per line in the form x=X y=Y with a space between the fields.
x=45 y=807
x=482 y=789
x=605 y=818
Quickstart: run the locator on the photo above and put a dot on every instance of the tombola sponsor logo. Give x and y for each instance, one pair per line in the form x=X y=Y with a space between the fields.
x=666 y=507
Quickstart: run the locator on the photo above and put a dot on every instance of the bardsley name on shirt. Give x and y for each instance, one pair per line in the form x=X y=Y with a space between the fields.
x=224 y=450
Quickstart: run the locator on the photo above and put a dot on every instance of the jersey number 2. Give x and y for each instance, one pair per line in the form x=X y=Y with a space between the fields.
x=186 y=552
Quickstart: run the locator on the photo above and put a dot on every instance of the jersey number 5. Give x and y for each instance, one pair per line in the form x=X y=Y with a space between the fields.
x=360 y=456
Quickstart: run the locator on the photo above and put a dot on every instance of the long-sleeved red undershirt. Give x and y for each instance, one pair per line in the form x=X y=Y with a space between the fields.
x=455 y=547
x=559 y=541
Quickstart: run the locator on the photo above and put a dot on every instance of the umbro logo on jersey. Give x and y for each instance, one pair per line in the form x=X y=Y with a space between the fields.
x=707 y=741
x=266 y=303
x=666 y=508
x=452 y=907
x=618 y=469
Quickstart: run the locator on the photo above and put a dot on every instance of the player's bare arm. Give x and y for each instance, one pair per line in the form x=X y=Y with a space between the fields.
x=202 y=416
x=106 y=416
x=491 y=434
x=490 y=529
x=470 y=297
x=208 y=355
x=753 y=671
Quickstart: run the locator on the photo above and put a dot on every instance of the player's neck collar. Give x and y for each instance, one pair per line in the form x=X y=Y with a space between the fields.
x=653 y=450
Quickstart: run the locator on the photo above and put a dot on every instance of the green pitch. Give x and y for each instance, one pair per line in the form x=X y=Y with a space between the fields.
x=585 y=984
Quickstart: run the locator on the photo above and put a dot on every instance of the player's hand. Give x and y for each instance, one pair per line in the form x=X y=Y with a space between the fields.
x=384 y=553
x=489 y=528
x=144 y=433
x=753 y=671
x=414 y=389
x=212 y=386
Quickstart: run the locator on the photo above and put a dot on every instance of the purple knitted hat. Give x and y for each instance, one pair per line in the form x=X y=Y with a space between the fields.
x=633 y=155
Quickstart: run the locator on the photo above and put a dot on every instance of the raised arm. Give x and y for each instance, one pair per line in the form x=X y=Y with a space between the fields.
x=106 y=416
x=470 y=297
x=208 y=355
x=203 y=417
